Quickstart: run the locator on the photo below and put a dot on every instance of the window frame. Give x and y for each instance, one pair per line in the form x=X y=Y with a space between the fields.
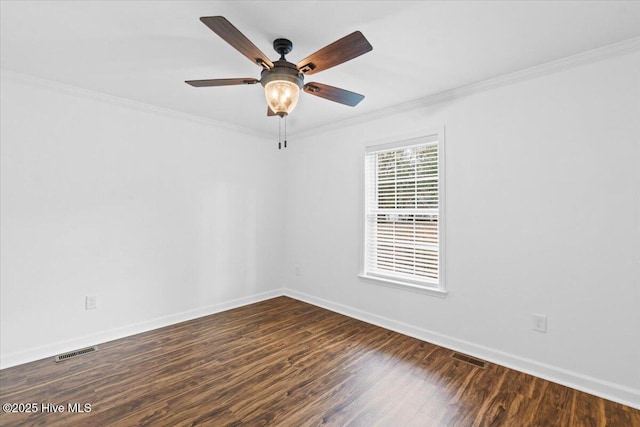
x=397 y=143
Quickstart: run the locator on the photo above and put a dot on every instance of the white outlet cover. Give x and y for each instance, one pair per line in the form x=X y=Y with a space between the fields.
x=540 y=323
x=91 y=303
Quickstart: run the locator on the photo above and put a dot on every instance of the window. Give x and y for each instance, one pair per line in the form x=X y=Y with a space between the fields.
x=403 y=213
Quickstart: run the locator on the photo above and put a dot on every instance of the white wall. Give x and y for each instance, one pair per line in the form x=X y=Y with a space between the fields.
x=162 y=218
x=543 y=216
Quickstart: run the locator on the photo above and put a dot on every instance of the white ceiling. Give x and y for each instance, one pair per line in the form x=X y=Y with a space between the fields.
x=144 y=50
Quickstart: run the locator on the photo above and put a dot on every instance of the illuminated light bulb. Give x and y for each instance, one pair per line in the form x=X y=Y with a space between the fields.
x=282 y=96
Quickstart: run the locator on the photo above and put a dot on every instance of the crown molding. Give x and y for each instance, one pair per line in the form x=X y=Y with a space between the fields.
x=613 y=50
x=123 y=102
x=586 y=57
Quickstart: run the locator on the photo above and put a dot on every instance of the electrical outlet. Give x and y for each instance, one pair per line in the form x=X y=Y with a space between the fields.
x=297 y=271
x=540 y=323
x=91 y=302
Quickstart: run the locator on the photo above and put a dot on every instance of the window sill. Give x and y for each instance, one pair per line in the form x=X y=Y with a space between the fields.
x=422 y=289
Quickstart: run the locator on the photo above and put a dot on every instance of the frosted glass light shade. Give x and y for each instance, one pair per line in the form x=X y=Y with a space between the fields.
x=282 y=96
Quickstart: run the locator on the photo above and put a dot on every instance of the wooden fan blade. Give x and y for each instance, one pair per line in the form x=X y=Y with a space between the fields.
x=334 y=94
x=336 y=53
x=270 y=112
x=221 y=82
x=233 y=36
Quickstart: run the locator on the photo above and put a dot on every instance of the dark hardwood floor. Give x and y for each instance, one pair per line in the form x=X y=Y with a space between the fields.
x=286 y=363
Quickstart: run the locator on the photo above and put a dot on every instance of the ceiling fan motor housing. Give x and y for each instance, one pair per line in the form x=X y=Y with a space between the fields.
x=282 y=70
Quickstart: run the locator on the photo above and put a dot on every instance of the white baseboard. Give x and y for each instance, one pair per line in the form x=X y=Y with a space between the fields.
x=49 y=350
x=607 y=390
x=591 y=385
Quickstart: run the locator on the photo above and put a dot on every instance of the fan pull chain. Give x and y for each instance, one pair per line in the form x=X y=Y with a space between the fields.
x=279 y=134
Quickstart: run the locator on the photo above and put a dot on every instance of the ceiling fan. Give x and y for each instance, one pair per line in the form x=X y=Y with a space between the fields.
x=282 y=79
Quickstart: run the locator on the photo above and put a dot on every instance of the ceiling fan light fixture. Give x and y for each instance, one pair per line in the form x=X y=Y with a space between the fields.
x=282 y=96
x=282 y=86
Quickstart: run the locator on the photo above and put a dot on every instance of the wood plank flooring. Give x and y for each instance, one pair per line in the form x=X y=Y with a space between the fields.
x=283 y=362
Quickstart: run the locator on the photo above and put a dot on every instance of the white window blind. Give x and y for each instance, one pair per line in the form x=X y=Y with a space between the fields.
x=402 y=212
